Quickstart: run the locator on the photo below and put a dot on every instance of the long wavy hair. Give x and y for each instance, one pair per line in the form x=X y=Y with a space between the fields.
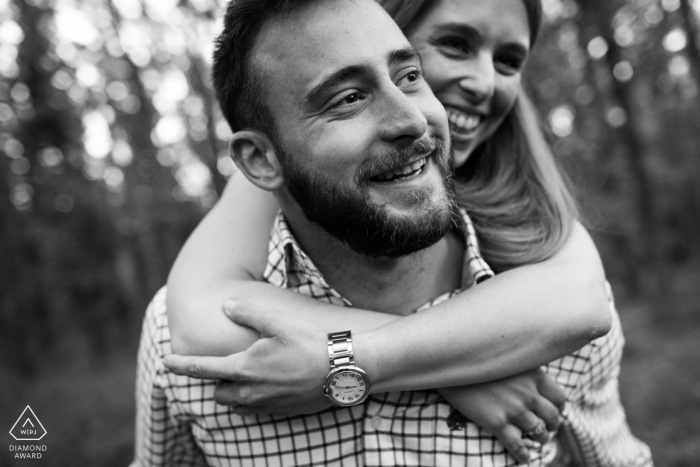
x=512 y=186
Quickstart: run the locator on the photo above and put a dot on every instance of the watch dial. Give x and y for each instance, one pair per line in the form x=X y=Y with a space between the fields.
x=347 y=387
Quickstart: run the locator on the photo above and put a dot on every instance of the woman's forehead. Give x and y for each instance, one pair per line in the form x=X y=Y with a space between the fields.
x=493 y=17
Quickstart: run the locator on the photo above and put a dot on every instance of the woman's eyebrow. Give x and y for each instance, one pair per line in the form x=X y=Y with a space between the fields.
x=464 y=30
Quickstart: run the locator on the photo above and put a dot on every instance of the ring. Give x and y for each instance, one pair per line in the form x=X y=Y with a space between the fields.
x=537 y=431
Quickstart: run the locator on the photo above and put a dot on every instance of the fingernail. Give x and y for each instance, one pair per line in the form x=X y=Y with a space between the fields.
x=229 y=305
x=166 y=361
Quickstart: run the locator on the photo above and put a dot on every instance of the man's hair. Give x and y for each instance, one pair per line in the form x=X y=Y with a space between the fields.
x=239 y=83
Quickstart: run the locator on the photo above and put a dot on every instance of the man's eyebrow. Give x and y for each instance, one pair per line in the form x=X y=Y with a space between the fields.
x=403 y=55
x=354 y=71
x=335 y=78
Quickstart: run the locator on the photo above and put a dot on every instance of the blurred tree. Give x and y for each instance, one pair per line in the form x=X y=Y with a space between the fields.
x=596 y=24
x=112 y=147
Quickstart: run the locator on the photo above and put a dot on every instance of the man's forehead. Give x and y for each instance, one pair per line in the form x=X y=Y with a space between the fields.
x=323 y=37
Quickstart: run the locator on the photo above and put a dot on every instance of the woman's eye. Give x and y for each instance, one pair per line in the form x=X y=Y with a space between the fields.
x=510 y=64
x=455 y=44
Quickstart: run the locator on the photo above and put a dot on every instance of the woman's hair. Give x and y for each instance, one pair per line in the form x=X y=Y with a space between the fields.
x=511 y=186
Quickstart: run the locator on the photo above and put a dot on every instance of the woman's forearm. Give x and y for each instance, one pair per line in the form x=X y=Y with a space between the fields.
x=514 y=322
x=221 y=260
x=218 y=336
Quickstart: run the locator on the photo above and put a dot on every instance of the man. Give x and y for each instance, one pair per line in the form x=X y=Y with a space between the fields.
x=330 y=114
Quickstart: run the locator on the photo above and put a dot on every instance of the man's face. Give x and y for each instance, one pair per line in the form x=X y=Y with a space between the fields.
x=365 y=145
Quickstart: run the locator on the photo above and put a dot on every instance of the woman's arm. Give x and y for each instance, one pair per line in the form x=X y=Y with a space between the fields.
x=224 y=258
x=516 y=321
x=512 y=323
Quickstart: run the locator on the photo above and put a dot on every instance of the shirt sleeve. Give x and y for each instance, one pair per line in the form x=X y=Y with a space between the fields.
x=163 y=436
x=595 y=432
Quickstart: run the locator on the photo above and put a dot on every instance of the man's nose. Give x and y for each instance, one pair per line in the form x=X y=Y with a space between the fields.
x=479 y=79
x=401 y=118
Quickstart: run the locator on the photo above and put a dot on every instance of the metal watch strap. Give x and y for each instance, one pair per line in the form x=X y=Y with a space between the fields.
x=340 y=349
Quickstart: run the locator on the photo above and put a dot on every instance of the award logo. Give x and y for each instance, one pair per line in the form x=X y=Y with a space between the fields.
x=28 y=428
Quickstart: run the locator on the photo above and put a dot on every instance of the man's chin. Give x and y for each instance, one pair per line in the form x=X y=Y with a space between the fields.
x=402 y=235
x=404 y=197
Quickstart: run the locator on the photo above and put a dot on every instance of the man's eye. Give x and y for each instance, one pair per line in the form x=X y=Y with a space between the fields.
x=413 y=76
x=350 y=99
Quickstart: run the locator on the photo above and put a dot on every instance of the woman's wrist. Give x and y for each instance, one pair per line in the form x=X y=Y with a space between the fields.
x=366 y=358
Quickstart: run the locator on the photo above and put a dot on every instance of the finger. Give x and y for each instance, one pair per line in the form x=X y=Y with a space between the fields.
x=548 y=413
x=512 y=440
x=243 y=410
x=227 y=393
x=203 y=367
x=264 y=320
x=552 y=391
x=532 y=427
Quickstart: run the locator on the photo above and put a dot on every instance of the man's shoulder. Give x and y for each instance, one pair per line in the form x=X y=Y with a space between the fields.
x=155 y=329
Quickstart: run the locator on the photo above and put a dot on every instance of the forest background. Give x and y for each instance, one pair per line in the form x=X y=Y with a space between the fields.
x=112 y=149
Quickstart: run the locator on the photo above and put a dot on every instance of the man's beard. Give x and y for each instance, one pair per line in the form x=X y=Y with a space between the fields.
x=348 y=213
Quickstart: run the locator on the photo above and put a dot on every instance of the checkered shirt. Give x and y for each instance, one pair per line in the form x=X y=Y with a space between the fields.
x=179 y=424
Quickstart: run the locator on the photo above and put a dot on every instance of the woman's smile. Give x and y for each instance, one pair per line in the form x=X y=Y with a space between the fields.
x=473 y=53
x=462 y=123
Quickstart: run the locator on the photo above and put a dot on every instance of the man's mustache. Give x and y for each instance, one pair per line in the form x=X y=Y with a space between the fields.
x=400 y=156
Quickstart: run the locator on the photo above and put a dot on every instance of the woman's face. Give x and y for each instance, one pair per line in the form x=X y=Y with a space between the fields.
x=473 y=53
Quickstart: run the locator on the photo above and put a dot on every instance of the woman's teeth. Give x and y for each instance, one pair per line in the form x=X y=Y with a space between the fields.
x=461 y=122
x=402 y=172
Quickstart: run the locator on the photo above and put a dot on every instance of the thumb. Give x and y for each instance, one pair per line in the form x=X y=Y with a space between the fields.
x=266 y=321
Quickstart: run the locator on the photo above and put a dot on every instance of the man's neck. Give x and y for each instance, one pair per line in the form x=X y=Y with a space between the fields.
x=390 y=285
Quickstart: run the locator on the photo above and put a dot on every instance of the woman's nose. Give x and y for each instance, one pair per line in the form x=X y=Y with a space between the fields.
x=479 y=80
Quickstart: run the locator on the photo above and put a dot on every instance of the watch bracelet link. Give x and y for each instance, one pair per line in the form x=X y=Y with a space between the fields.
x=340 y=351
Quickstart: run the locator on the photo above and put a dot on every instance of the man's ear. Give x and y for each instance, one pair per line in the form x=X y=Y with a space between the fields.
x=255 y=155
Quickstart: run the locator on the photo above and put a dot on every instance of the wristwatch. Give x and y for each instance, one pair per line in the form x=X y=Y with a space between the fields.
x=346 y=384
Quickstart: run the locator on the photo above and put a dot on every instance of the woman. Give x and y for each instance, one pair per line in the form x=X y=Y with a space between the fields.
x=473 y=53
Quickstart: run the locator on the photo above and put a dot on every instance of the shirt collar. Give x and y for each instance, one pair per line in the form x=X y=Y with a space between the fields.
x=289 y=267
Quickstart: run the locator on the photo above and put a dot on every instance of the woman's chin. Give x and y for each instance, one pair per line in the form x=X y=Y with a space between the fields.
x=461 y=155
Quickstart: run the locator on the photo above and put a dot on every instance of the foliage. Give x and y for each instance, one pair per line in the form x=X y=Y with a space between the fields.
x=112 y=149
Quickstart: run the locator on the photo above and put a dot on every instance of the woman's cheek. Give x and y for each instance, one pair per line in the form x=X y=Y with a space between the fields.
x=436 y=72
x=505 y=99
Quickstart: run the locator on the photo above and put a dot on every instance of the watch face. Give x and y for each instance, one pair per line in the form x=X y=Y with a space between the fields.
x=347 y=387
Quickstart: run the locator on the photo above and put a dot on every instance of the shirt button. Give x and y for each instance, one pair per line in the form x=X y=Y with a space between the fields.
x=376 y=422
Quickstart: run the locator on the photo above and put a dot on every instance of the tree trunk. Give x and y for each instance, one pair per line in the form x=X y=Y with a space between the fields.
x=599 y=14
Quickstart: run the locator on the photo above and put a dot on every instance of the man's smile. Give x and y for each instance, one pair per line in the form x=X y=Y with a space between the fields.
x=404 y=172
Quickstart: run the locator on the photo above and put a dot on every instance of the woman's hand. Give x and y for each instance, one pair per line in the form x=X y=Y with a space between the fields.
x=512 y=409
x=282 y=373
